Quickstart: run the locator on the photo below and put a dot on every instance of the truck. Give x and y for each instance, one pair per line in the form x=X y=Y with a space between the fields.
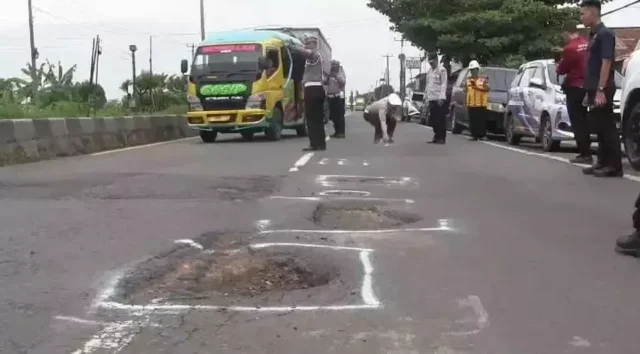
x=249 y=82
x=360 y=104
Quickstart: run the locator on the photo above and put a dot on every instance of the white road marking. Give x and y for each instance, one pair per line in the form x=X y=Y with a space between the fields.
x=381 y=231
x=182 y=308
x=113 y=337
x=315 y=199
x=108 y=291
x=332 y=192
x=580 y=342
x=79 y=320
x=189 y=242
x=368 y=296
x=323 y=161
x=263 y=224
x=481 y=319
x=342 y=162
x=365 y=163
x=293 y=244
x=325 y=180
x=552 y=157
x=140 y=146
x=301 y=161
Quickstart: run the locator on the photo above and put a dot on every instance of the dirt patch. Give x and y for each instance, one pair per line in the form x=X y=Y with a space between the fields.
x=243 y=273
x=360 y=216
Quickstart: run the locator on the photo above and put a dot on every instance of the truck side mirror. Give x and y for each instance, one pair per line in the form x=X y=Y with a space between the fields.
x=263 y=63
x=184 y=66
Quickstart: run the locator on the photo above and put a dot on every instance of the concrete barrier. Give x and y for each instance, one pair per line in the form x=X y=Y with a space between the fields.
x=26 y=140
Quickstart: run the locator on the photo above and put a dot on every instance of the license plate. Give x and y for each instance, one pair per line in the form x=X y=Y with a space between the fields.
x=219 y=118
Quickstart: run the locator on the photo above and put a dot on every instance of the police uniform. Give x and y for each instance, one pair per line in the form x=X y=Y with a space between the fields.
x=383 y=115
x=335 y=95
x=314 y=96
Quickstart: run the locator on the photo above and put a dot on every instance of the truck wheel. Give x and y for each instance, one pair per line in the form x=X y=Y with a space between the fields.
x=248 y=136
x=456 y=128
x=208 y=136
x=631 y=137
x=274 y=131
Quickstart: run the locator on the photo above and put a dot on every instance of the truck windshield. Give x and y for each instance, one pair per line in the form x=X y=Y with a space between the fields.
x=227 y=58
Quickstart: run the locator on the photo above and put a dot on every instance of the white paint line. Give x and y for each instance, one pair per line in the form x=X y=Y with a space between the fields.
x=79 y=320
x=113 y=337
x=382 y=231
x=304 y=159
x=444 y=224
x=189 y=242
x=315 y=199
x=109 y=289
x=345 y=191
x=293 y=244
x=263 y=224
x=552 y=157
x=342 y=162
x=140 y=146
x=365 y=163
x=160 y=308
x=481 y=315
x=580 y=342
x=323 y=161
x=368 y=296
x=293 y=169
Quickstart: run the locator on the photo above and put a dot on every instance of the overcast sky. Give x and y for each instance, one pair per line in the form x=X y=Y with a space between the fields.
x=64 y=30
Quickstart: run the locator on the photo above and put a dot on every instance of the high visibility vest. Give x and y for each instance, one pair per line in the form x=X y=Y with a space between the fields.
x=478 y=94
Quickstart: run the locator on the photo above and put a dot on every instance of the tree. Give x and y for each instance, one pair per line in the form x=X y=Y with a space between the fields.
x=491 y=31
x=155 y=91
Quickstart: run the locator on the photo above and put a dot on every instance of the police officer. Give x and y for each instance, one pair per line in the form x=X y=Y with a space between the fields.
x=314 y=94
x=383 y=115
x=335 y=95
x=600 y=87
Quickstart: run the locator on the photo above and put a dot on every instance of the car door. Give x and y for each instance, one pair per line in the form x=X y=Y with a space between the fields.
x=536 y=96
x=520 y=101
x=459 y=98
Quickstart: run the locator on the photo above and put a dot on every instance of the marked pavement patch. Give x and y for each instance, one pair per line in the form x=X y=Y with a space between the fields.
x=336 y=180
x=360 y=216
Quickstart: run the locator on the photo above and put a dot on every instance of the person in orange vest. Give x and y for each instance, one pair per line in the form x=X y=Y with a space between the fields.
x=477 y=101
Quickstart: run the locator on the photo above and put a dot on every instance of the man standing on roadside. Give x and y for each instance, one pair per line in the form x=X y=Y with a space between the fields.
x=477 y=101
x=436 y=95
x=572 y=65
x=335 y=95
x=600 y=87
x=314 y=94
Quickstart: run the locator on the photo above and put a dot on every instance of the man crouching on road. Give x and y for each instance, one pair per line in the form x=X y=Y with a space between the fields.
x=383 y=115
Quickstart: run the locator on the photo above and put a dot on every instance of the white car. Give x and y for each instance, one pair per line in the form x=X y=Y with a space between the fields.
x=630 y=108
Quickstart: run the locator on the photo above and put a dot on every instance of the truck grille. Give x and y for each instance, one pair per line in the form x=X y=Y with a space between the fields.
x=224 y=105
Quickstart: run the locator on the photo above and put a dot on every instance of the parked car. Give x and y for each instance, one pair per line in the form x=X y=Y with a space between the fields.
x=499 y=80
x=630 y=108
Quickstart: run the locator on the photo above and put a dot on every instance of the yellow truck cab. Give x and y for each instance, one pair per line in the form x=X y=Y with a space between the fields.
x=246 y=82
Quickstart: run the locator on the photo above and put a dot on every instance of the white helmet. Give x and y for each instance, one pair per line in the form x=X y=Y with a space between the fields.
x=395 y=100
x=474 y=64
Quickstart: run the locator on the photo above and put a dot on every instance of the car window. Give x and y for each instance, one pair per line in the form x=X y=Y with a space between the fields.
x=553 y=77
x=499 y=79
x=517 y=77
x=539 y=73
x=526 y=76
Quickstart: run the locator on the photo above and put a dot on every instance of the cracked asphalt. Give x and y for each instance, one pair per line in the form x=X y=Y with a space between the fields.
x=524 y=265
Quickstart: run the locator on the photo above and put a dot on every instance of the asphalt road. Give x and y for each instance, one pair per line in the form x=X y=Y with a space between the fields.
x=476 y=248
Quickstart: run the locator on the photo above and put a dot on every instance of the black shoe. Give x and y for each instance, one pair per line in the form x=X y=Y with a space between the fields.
x=608 y=172
x=338 y=136
x=391 y=141
x=589 y=170
x=629 y=245
x=473 y=139
x=582 y=159
x=311 y=148
x=376 y=140
x=437 y=142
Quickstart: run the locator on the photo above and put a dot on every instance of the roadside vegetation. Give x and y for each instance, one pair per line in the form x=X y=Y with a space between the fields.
x=49 y=91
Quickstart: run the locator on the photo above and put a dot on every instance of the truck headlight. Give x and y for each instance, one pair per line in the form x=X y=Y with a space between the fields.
x=496 y=107
x=194 y=103
x=257 y=101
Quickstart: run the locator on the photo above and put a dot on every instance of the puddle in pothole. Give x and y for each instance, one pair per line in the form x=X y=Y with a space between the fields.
x=189 y=275
x=360 y=216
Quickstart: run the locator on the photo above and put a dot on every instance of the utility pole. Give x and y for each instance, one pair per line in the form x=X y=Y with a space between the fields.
x=151 y=55
x=202 y=20
x=134 y=96
x=386 y=73
x=98 y=53
x=34 y=53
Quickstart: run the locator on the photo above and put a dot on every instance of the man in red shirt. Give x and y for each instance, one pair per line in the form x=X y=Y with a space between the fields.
x=572 y=65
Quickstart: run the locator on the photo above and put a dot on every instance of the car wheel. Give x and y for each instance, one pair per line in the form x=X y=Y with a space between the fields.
x=208 y=136
x=456 y=128
x=546 y=136
x=302 y=130
x=512 y=137
x=274 y=131
x=631 y=137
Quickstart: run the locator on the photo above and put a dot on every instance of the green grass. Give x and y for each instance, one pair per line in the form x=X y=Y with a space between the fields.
x=71 y=109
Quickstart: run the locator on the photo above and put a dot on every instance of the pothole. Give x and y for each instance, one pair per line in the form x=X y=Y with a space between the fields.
x=360 y=216
x=188 y=275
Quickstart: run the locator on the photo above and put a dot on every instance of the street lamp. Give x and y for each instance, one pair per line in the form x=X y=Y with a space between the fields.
x=132 y=103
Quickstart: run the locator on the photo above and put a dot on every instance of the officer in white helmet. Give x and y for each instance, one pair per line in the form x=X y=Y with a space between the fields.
x=383 y=115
